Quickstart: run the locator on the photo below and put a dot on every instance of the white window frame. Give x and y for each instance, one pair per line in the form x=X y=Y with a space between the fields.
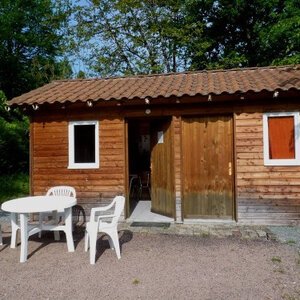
x=281 y=162
x=72 y=164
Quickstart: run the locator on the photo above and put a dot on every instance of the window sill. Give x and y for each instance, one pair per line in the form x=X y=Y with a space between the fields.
x=282 y=162
x=83 y=166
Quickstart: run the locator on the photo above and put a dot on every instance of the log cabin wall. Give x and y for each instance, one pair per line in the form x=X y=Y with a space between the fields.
x=265 y=194
x=49 y=157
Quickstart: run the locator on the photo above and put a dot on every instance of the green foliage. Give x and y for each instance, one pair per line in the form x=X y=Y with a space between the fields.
x=135 y=36
x=31 y=40
x=14 y=145
x=13 y=186
x=32 y=44
x=248 y=33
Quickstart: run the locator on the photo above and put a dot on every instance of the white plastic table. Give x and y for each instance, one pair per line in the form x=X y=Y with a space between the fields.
x=37 y=204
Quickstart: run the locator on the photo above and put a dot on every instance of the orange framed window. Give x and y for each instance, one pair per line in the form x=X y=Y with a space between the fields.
x=281 y=138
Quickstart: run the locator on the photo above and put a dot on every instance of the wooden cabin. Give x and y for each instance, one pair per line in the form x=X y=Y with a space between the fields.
x=215 y=145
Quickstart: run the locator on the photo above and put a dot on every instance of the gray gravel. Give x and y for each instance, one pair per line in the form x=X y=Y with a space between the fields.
x=4 y=217
x=287 y=234
x=153 y=266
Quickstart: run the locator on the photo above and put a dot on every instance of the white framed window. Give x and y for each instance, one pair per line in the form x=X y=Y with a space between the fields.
x=281 y=133
x=83 y=145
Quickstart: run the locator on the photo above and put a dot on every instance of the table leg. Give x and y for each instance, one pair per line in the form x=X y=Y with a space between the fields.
x=55 y=222
x=24 y=237
x=14 y=229
x=68 y=229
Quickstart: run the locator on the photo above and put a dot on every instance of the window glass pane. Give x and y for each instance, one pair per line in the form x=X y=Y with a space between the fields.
x=84 y=143
x=281 y=137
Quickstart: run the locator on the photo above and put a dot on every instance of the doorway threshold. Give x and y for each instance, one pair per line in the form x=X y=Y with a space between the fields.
x=150 y=224
x=142 y=213
x=208 y=221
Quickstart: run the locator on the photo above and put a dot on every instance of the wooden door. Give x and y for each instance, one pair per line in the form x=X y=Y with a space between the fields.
x=208 y=180
x=162 y=170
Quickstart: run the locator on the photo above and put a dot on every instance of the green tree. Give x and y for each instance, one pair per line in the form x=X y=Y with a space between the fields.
x=31 y=43
x=33 y=39
x=151 y=36
x=14 y=150
x=135 y=36
x=247 y=33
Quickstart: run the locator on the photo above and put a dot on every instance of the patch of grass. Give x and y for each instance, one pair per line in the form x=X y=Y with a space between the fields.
x=280 y=270
x=289 y=297
x=135 y=281
x=205 y=234
x=291 y=242
x=276 y=259
x=13 y=186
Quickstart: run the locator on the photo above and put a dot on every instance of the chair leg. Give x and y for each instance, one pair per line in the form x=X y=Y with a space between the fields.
x=1 y=241
x=56 y=221
x=40 y=223
x=86 y=241
x=14 y=230
x=111 y=243
x=68 y=229
x=115 y=239
x=93 y=245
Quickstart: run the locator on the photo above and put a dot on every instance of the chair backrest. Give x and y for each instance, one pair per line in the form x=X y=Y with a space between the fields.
x=62 y=190
x=119 y=203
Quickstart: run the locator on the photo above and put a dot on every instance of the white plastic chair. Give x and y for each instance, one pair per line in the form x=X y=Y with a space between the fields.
x=61 y=190
x=96 y=224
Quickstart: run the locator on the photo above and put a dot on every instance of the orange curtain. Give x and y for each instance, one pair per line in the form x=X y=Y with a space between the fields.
x=281 y=137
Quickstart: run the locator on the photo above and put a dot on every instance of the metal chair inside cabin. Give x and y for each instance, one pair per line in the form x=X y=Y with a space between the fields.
x=144 y=184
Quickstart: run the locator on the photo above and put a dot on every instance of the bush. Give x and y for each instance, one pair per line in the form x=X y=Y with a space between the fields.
x=14 y=140
x=13 y=186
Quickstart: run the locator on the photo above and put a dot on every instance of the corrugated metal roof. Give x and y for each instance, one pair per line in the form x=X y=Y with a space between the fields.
x=166 y=85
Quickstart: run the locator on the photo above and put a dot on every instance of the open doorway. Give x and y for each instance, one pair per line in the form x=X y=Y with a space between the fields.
x=150 y=168
x=139 y=154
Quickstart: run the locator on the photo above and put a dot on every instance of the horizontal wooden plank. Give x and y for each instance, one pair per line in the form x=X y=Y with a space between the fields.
x=254 y=221
x=269 y=209
x=250 y=156
x=248 y=122
x=261 y=168
x=273 y=216
x=248 y=130
x=269 y=175
x=251 y=136
x=247 y=149
x=104 y=186
x=68 y=172
x=267 y=201
x=278 y=182
x=63 y=164
x=276 y=198
x=88 y=178
x=250 y=162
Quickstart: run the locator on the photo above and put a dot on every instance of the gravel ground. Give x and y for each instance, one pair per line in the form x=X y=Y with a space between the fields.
x=287 y=234
x=153 y=266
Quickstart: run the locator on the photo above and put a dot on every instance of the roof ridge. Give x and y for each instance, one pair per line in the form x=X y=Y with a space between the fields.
x=176 y=73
